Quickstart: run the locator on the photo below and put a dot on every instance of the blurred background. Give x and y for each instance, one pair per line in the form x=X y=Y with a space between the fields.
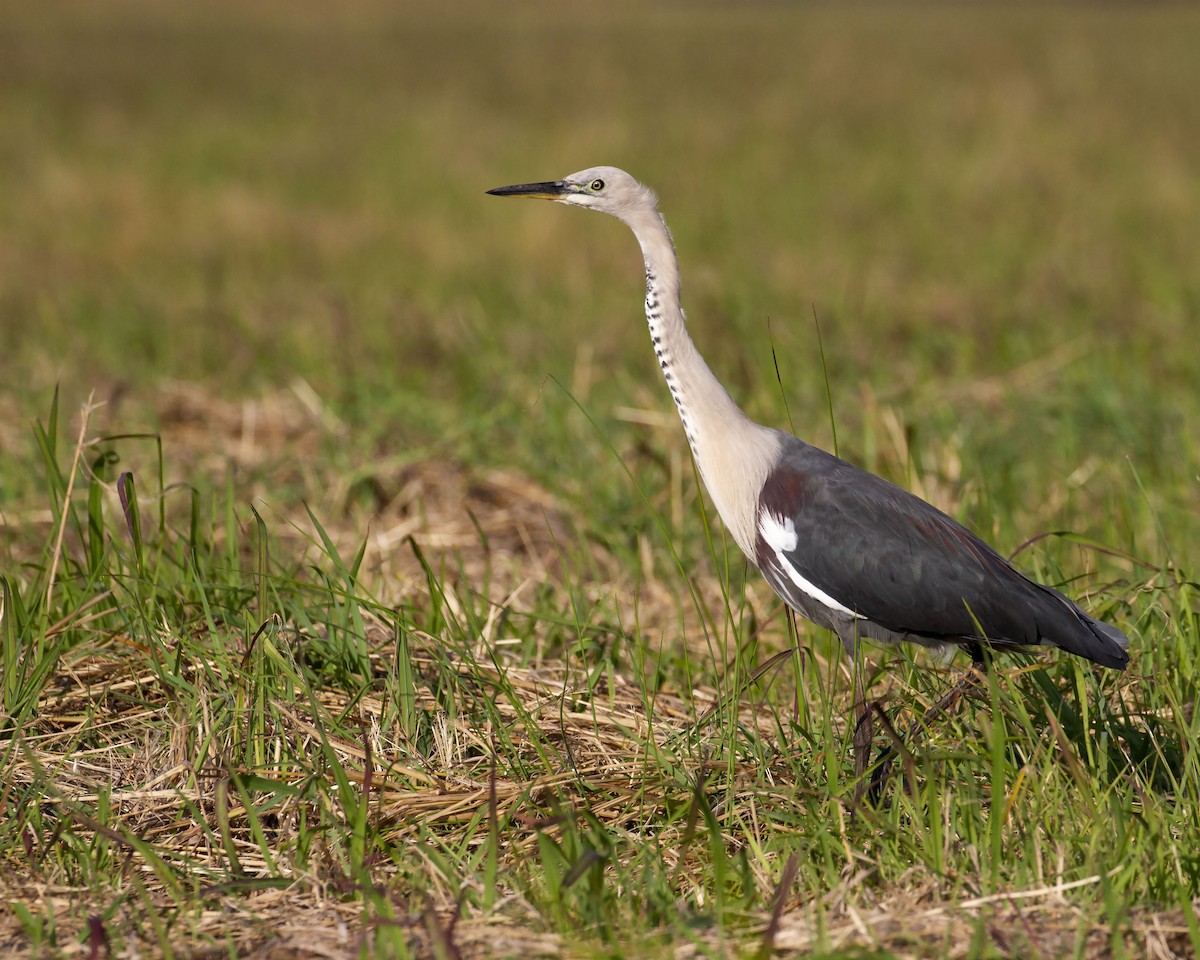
x=417 y=520
x=991 y=212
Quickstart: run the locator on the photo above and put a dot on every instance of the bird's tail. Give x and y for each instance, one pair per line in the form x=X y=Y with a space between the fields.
x=1098 y=641
x=1116 y=641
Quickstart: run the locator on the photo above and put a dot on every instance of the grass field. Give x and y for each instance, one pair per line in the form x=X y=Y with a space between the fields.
x=356 y=594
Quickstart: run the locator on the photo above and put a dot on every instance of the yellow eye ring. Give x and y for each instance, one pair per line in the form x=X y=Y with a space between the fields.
x=596 y=185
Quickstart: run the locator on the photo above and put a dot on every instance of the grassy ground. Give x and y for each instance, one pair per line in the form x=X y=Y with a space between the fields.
x=367 y=606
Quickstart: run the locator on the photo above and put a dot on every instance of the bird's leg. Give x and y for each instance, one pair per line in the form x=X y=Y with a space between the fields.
x=968 y=682
x=864 y=721
x=948 y=703
x=864 y=725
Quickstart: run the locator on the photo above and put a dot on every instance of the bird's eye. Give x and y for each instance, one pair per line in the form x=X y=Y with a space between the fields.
x=597 y=185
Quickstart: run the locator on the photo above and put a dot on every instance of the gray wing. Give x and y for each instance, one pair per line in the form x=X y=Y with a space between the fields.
x=901 y=563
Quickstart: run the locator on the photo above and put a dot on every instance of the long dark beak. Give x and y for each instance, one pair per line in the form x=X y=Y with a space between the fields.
x=549 y=190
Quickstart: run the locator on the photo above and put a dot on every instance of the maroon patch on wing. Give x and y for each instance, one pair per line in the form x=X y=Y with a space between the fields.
x=784 y=492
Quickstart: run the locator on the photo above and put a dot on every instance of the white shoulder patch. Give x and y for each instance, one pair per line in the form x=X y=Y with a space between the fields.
x=780 y=535
x=779 y=532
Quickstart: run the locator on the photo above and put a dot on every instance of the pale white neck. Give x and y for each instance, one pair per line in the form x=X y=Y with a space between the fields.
x=732 y=452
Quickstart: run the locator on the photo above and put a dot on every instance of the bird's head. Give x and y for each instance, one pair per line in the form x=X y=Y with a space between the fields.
x=604 y=189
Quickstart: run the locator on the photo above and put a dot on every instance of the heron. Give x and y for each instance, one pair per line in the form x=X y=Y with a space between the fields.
x=844 y=548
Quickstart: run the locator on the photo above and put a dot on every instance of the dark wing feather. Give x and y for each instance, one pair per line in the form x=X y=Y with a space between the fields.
x=903 y=564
